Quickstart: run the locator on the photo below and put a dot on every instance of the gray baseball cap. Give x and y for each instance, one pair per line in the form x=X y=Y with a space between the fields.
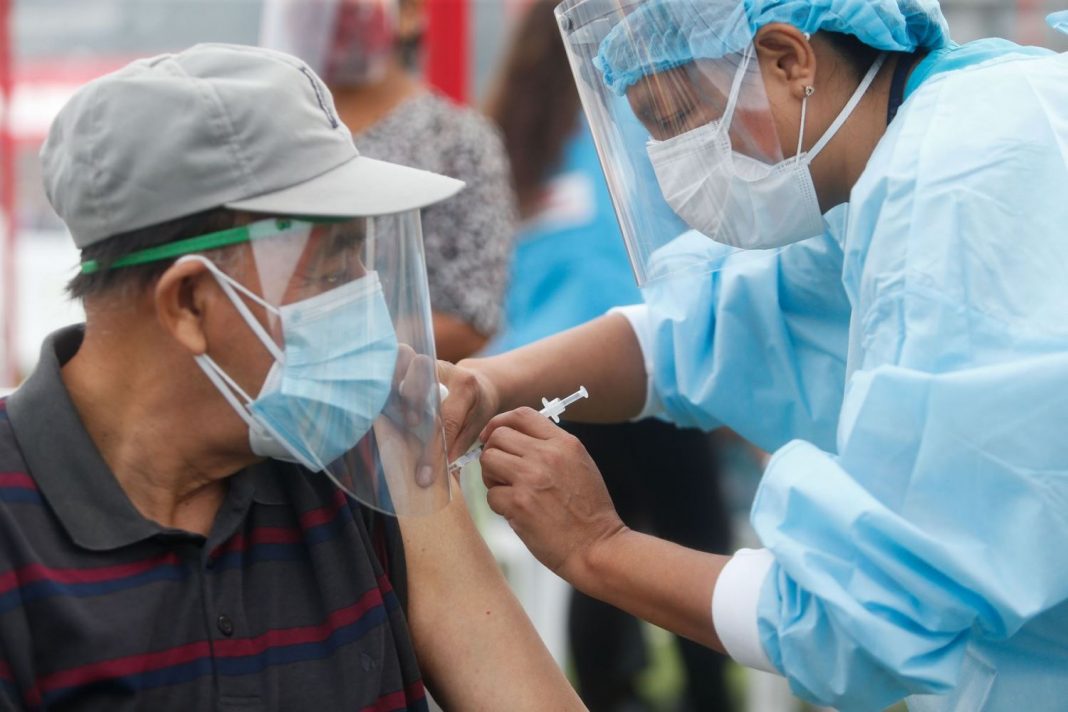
x=216 y=125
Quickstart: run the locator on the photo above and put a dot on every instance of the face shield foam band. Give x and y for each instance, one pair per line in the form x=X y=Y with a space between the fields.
x=210 y=241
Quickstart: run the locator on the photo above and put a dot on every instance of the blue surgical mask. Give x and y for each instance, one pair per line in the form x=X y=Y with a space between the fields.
x=329 y=381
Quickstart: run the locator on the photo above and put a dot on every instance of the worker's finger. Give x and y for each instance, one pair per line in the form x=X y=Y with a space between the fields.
x=417 y=390
x=524 y=420
x=500 y=467
x=511 y=441
x=465 y=411
x=501 y=500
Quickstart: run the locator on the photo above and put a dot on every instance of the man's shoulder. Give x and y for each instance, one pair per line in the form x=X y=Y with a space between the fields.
x=16 y=484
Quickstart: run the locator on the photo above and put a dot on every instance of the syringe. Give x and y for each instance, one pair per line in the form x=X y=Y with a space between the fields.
x=552 y=409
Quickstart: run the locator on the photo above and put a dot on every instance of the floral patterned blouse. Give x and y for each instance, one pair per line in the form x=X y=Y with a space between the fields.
x=468 y=238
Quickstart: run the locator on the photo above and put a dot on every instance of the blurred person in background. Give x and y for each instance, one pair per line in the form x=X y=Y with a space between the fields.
x=570 y=266
x=366 y=52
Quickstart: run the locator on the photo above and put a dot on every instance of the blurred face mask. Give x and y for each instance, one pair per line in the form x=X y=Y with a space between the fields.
x=325 y=388
x=739 y=200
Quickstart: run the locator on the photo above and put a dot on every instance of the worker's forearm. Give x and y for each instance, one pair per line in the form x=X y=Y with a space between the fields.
x=602 y=355
x=654 y=580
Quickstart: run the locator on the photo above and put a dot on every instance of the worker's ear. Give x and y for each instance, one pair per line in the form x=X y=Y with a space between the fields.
x=787 y=60
x=184 y=296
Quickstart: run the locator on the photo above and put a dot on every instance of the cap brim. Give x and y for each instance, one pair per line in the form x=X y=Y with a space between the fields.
x=361 y=187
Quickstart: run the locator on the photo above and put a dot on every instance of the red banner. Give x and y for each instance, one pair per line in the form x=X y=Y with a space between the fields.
x=447 y=41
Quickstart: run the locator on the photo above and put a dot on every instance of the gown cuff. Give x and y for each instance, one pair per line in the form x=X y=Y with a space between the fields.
x=640 y=322
x=734 y=607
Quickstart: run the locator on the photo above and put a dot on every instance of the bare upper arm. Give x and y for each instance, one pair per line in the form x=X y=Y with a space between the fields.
x=476 y=647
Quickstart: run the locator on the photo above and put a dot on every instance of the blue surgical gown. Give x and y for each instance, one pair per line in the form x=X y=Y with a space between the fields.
x=910 y=368
x=569 y=264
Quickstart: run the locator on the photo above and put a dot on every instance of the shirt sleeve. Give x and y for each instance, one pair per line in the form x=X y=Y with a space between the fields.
x=637 y=315
x=934 y=526
x=759 y=344
x=468 y=238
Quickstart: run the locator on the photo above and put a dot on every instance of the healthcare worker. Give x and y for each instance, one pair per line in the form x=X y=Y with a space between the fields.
x=904 y=355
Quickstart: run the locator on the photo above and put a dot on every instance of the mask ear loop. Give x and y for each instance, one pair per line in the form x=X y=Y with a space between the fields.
x=228 y=285
x=846 y=112
x=227 y=386
x=736 y=88
x=809 y=91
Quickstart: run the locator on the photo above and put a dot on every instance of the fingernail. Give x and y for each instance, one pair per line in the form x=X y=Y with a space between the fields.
x=425 y=476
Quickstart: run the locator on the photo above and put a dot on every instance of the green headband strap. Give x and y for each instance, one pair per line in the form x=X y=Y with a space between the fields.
x=210 y=241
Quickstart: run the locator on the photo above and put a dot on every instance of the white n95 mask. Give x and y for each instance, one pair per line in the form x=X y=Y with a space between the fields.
x=328 y=382
x=738 y=200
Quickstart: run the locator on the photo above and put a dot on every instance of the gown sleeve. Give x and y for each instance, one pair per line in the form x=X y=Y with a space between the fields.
x=932 y=524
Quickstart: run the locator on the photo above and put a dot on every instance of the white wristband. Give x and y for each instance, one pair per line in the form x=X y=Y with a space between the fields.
x=734 y=607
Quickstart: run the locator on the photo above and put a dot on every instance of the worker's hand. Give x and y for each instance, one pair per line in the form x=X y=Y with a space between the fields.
x=472 y=401
x=542 y=480
x=409 y=437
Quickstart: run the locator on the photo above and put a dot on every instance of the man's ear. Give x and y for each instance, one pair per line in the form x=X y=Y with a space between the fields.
x=786 y=58
x=182 y=296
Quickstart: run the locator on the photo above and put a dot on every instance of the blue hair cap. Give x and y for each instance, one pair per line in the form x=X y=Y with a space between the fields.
x=664 y=34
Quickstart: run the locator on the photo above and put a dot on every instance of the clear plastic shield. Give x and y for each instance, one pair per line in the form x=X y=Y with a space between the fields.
x=679 y=113
x=343 y=309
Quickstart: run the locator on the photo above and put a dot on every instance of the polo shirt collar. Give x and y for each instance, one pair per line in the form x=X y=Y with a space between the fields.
x=70 y=471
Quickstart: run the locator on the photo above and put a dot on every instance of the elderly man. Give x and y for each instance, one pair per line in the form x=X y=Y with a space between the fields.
x=172 y=532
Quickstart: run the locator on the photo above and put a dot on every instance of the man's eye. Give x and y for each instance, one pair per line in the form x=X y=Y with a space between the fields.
x=335 y=278
x=326 y=280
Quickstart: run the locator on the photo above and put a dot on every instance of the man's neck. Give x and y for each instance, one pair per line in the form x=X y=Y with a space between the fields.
x=149 y=432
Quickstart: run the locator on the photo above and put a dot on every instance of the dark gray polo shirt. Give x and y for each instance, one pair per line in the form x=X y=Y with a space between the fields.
x=285 y=606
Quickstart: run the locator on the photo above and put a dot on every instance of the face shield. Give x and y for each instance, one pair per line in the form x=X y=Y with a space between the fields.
x=346 y=42
x=683 y=127
x=343 y=310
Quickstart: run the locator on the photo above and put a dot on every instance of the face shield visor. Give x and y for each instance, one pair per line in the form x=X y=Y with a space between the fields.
x=684 y=130
x=342 y=309
x=346 y=42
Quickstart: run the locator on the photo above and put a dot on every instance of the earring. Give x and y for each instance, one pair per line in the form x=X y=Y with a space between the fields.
x=810 y=90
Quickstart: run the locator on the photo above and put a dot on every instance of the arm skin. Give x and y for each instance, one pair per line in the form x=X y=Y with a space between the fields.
x=542 y=481
x=654 y=580
x=603 y=355
x=476 y=647
x=455 y=338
